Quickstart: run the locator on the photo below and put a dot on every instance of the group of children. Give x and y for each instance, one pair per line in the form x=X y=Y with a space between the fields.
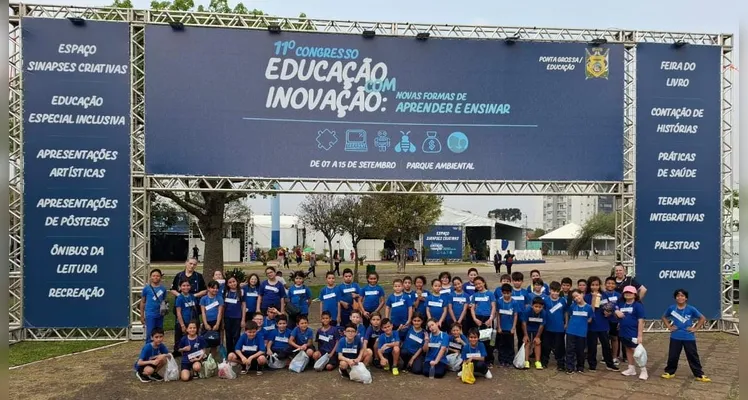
x=414 y=329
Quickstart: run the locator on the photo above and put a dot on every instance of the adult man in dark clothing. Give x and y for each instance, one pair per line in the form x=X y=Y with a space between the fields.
x=509 y=260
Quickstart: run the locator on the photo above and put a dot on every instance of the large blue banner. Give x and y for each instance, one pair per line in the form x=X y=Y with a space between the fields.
x=228 y=102
x=678 y=162
x=443 y=242
x=76 y=139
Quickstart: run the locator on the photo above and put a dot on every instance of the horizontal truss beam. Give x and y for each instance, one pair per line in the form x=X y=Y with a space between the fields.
x=203 y=184
x=190 y=18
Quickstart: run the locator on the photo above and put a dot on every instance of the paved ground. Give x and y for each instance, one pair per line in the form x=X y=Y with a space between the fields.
x=107 y=374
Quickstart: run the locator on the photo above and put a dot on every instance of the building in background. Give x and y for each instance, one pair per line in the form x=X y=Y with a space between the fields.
x=562 y=210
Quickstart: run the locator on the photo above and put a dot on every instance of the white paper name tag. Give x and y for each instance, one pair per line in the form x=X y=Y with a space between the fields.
x=249 y=348
x=231 y=301
x=195 y=355
x=556 y=308
x=473 y=355
x=299 y=291
x=371 y=293
x=455 y=345
x=281 y=339
x=325 y=338
x=628 y=310
x=445 y=291
x=458 y=300
x=580 y=313
x=269 y=328
x=252 y=294
x=328 y=296
x=158 y=294
x=349 y=290
x=415 y=338
x=271 y=288
x=518 y=298
x=535 y=319
x=348 y=350
x=435 y=345
x=435 y=304
x=481 y=299
x=398 y=304
x=506 y=312
x=211 y=306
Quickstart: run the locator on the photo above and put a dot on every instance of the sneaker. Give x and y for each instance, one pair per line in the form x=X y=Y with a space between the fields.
x=142 y=377
x=560 y=368
x=195 y=375
x=527 y=365
x=386 y=367
x=644 y=375
x=488 y=375
x=630 y=371
x=702 y=378
x=156 y=377
x=616 y=362
x=580 y=370
x=592 y=369
x=612 y=367
x=667 y=376
x=243 y=371
x=259 y=372
x=538 y=365
x=395 y=372
x=569 y=372
x=459 y=374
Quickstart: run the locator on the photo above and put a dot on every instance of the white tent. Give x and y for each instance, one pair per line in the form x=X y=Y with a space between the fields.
x=451 y=216
x=570 y=231
x=289 y=235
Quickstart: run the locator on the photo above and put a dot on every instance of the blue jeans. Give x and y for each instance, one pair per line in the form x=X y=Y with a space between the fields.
x=150 y=323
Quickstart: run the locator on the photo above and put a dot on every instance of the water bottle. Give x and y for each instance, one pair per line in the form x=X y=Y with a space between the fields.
x=432 y=372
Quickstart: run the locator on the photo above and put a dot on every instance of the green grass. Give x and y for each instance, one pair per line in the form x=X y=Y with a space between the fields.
x=27 y=352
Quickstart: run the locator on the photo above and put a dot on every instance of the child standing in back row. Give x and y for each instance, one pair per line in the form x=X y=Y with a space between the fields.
x=580 y=315
x=679 y=319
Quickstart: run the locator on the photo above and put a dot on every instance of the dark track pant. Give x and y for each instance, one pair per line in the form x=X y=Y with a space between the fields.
x=520 y=335
x=604 y=339
x=233 y=330
x=575 y=352
x=480 y=368
x=178 y=334
x=405 y=358
x=439 y=370
x=553 y=342
x=506 y=347
x=692 y=355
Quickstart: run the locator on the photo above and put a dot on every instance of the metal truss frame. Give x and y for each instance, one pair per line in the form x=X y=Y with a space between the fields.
x=143 y=185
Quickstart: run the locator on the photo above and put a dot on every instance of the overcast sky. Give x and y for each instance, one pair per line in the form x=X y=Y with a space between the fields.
x=656 y=15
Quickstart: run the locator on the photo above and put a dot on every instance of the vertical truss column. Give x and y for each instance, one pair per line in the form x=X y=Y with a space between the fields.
x=140 y=198
x=625 y=204
x=15 y=183
x=726 y=256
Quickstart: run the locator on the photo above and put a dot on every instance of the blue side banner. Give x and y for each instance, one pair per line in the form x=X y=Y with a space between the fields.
x=76 y=174
x=678 y=200
x=443 y=242
x=228 y=102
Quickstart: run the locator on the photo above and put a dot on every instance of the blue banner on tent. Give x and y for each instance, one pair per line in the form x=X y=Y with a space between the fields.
x=443 y=242
x=678 y=196
x=76 y=197
x=309 y=105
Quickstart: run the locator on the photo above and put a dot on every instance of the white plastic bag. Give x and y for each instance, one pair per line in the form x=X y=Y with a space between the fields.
x=320 y=364
x=209 y=368
x=171 y=371
x=519 y=359
x=276 y=363
x=640 y=356
x=299 y=362
x=454 y=362
x=359 y=373
x=226 y=371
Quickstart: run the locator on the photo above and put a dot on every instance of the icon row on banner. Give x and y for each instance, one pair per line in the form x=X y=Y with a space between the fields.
x=357 y=141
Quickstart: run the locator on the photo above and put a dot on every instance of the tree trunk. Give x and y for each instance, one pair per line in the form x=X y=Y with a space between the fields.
x=212 y=227
x=402 y=257
x=331 y=258
x=355 y=262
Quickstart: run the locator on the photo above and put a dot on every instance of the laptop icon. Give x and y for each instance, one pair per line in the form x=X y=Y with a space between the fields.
x=355 y=140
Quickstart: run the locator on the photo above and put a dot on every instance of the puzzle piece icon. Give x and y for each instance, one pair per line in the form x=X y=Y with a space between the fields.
x=326 y=139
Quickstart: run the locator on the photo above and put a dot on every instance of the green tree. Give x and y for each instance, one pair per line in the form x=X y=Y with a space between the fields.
x=506 y=214
x=402 y=217
x=600 y=224
x=355 y=216
x=164 y=214
x=733 y=201
x=537 y=233
x=319 y=211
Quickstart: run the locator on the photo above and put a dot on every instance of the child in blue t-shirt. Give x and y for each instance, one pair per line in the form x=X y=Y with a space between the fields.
x=436 y=356
x=302 y=337
x=371 y=297
x=533 y=323
x=399 y=306
x=300 y=296
x=186 y=310
x=327 y=341
x=152 y=295
x=508 y=312
x=412 y=352
x=212 y=311
x=579 y=317
x=474 y=351
x=630 y=312
x=522 y=300
x=456 y=340
x=600 y=326
x=328 y=298
x=437 y=304
x=554 y=337
x=679 y=319
x=388 y=347
x=351 y=351
x=234 y=311
x=459 y=304
x=278 y=340
x=193 y=352
x=249 y=350
x=153 y=357
x=347 y=295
